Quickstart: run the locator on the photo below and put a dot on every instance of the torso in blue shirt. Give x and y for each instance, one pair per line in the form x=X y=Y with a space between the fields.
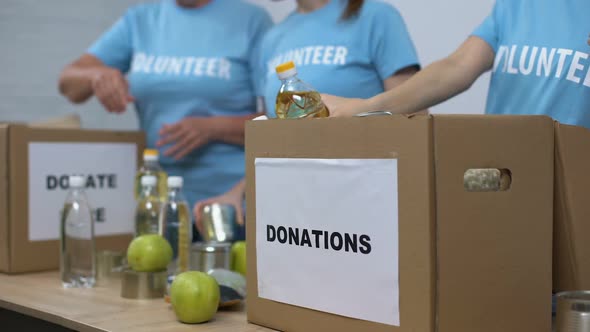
x=189 y=62
x=348 y=58
x=542 y=63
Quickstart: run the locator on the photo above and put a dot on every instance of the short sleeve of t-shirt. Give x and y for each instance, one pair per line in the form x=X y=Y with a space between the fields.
x=263 y=24
x=114 y=47
x=392 y=48
x=489 y=30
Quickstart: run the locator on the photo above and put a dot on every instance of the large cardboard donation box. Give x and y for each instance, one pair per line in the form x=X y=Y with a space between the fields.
x=572 y=209
x=366 y=224
x=34 y=167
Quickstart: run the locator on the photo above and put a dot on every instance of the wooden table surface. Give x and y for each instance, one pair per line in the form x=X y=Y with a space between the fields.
x=41 y=296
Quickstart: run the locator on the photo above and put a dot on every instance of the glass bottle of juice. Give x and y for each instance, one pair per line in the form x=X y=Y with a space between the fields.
x=151 y=166
x=148 y=210
x=297 y=99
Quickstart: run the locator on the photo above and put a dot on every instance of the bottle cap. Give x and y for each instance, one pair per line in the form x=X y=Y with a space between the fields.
x=286 y=70
x=76 y=181
x=150 y=155
x=148 y=180
x=175 y=182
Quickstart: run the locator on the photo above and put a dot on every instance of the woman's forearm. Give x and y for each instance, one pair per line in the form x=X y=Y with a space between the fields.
x=231 y=129
x=435 y=84
x=75 y=81
x=439 y=81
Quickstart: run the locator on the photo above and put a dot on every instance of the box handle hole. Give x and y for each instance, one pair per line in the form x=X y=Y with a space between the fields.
x=487 y=179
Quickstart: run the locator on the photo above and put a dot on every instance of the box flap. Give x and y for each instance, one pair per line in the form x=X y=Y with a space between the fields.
x=494 y=248
x=24 y=253
x=382 y=137
x=71 y=121
x=572 y=208
x=4 y=213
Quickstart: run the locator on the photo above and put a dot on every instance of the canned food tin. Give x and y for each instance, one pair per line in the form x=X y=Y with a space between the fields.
x=219 y=222
x=210 y=255
x=573 y=311
x=373 y=113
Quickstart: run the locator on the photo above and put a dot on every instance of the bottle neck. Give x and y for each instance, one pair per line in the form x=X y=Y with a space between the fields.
x=149 y=191
x=175 y=194
x=76 y=194
x=290 y=79
x=150 y=162
x=77 y=190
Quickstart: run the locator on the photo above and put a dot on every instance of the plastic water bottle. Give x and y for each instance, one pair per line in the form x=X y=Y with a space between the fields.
x=78 y=260
x=177 y=226
x=147 y=212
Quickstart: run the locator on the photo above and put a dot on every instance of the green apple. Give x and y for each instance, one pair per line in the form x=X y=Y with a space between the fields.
x=238 y=257
x=149 y=253
x=194 y=296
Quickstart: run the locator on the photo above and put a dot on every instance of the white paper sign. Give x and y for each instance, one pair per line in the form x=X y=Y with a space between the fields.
x=327 y=235
x=110 y=171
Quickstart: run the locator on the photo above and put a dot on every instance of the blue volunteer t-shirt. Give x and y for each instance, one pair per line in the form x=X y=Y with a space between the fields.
x=190 y=62
x=348 y=58
x=542 y=63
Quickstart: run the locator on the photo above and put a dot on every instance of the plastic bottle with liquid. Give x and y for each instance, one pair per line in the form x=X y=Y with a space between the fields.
x=297 y=99
x=148 y=210
x=151 y=166
x=77 y=243
x=177 y=226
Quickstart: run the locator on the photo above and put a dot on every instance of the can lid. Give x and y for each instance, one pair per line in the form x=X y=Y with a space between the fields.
x=175 y=182
x=148 y=180
x=76 y=181
x=286 y=70
x=211 y=247
x=150 y=155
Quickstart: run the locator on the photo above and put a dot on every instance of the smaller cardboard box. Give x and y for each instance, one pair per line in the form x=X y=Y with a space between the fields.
x=34 y=167
x=366 y=224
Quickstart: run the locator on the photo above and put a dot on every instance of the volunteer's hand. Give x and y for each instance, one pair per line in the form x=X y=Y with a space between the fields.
x=187 y=135
x=341 y=107
x=233 y=197
x=112 y=90
x=588 y=40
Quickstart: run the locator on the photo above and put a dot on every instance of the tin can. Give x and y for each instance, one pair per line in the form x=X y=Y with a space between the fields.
x=219 y=223
x=573 y=312
x=373 y=113
x=143 y=285
x=210 y=255
x=109 y=266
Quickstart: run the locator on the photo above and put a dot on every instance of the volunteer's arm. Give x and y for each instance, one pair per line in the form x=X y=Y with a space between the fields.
x=193 y=132
x=88 y=76
x=432 y=85
x=400 y=77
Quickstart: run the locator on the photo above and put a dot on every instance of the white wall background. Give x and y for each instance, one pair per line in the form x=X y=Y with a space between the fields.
x=39 y=37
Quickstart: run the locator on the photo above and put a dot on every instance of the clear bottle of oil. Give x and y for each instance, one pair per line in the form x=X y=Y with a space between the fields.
x=177 y=226
x=148 y=210
x=151 y=166
x=77 y=254
x=297 y=99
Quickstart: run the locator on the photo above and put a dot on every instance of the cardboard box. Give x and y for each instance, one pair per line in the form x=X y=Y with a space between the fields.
x=34 y=166
x=468 y=261
x=572 y=209
x=70 y=121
